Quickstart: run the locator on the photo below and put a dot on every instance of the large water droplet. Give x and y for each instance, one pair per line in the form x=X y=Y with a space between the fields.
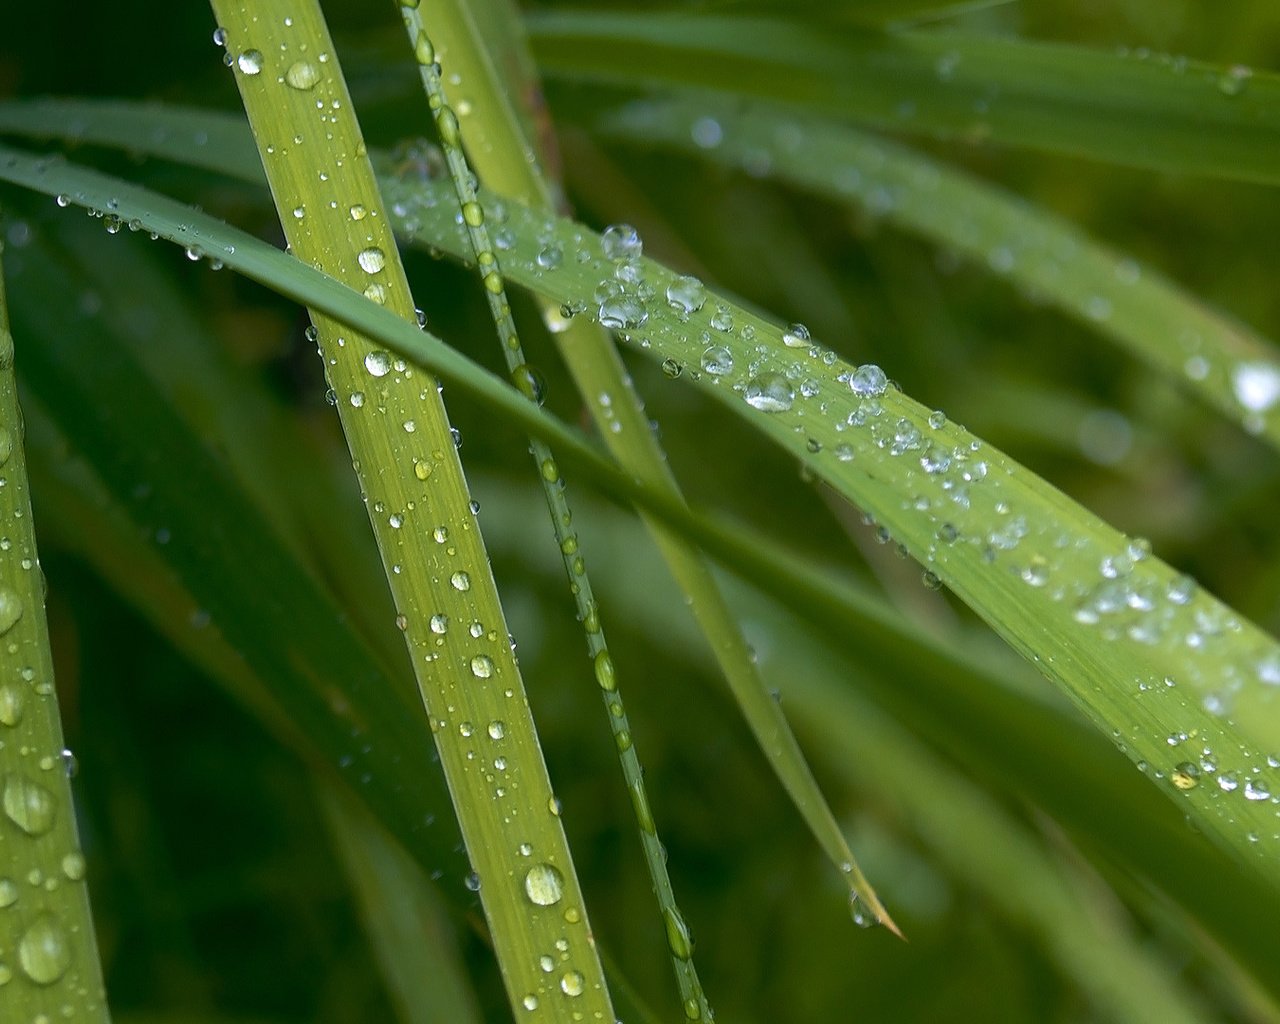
x=868 y=381
x=544 y=885
x=460 y=581
x=28 y=804
x=678 y=937
x=482 y=666
x=11 y=705
x=378 y=363
x=1256 y=385
x=8 y=892
x=686 y=295
x=796 y=336
x=717 y=360
x=604 y=672
x=372 y=259
x=302 y=75
x=572 y=983
x=43 y=951
x=10 y=609
x=622 y=312
x=769 y=392
x=621 y=242
x=250 y=62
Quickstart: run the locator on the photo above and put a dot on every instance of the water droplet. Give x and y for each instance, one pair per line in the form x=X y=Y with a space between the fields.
x=621 y=312
x=472 y=881
x=8 y=893
x=497 y=729
x=769 y=392
x=28 y=804
x=1256 y=385
x=937 y=419
x=678 y=938
x=796 y=336
x=572 y=983
x=717 y=360
x=357 y=399
x=43 y=952
x=862 y=917
x=686 y=295
x=372 y=259
x=604 y=672
x=378 y=363
x=73 y=865
x=868 y=381
x=302 y=75
x=460 y=580
x=1232 y=81
x=544 y=885
x=1185 y=776
x=250 y=62
x=11 y=705
x=621 y=242
x=10 y=609
x=439 y=624
x=482 y=666
x=530 y=1002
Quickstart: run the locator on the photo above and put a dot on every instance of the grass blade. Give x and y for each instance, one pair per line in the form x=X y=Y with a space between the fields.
x=1222 y=663
x=419 y=506
x=1167 y=113
x=1219 y=360
x=47 y=928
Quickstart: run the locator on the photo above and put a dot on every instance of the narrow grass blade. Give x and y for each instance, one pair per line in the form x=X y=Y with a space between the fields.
x=1221 y=361
x=872 y=13
x=1142 y=650
x=47 y=930
x=1161 y=112
x=505 y=158
x=573 y=562
x=405 y=457
x=404 y=917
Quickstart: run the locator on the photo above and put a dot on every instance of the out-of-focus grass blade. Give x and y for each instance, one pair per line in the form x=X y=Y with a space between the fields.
x=867 y=12
x=1216 y=358
x=179 y=538
x=1161 y=112
x=1147 y=655
x=404 y=917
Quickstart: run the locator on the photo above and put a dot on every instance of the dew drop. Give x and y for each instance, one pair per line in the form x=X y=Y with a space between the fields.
x=769 y=392
x=1256 y=385
x=717 y=360
x=497 y=729
x=460 y=581
x=686 y=295
x=43 y=952
x=530 y=1002
x=73 y=866
x=8 y=893
x=250 y=62
x=472 y=882
x=544 y=885
x=678 y=938
x=439 y=624
x=378 y=363
x=1233 y=81
x=796 y=336
x=621 y=242
x=10 y=609
x=11 y=705
x=28 y=804
x=302 y=75
x=372 y=259
x=868 y=381
x=572 y=983
x=604 y=672
x=482 y=666
x=1185 y=776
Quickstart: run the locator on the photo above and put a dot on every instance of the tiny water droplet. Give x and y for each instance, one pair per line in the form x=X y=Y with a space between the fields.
x=544 y=885
x=472 y=881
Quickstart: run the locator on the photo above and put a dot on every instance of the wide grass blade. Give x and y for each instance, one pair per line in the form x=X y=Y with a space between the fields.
x=405 y=457
x=46 y=931
x=1161 y=112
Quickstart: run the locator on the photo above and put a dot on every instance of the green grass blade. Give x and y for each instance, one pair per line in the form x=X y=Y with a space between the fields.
x=1041 y=599
x=50 y=947
x=504 y=155
x=1165 y=113
x=1224 y=363
x=411 y=478
x=529 y=380
x=872 y=13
